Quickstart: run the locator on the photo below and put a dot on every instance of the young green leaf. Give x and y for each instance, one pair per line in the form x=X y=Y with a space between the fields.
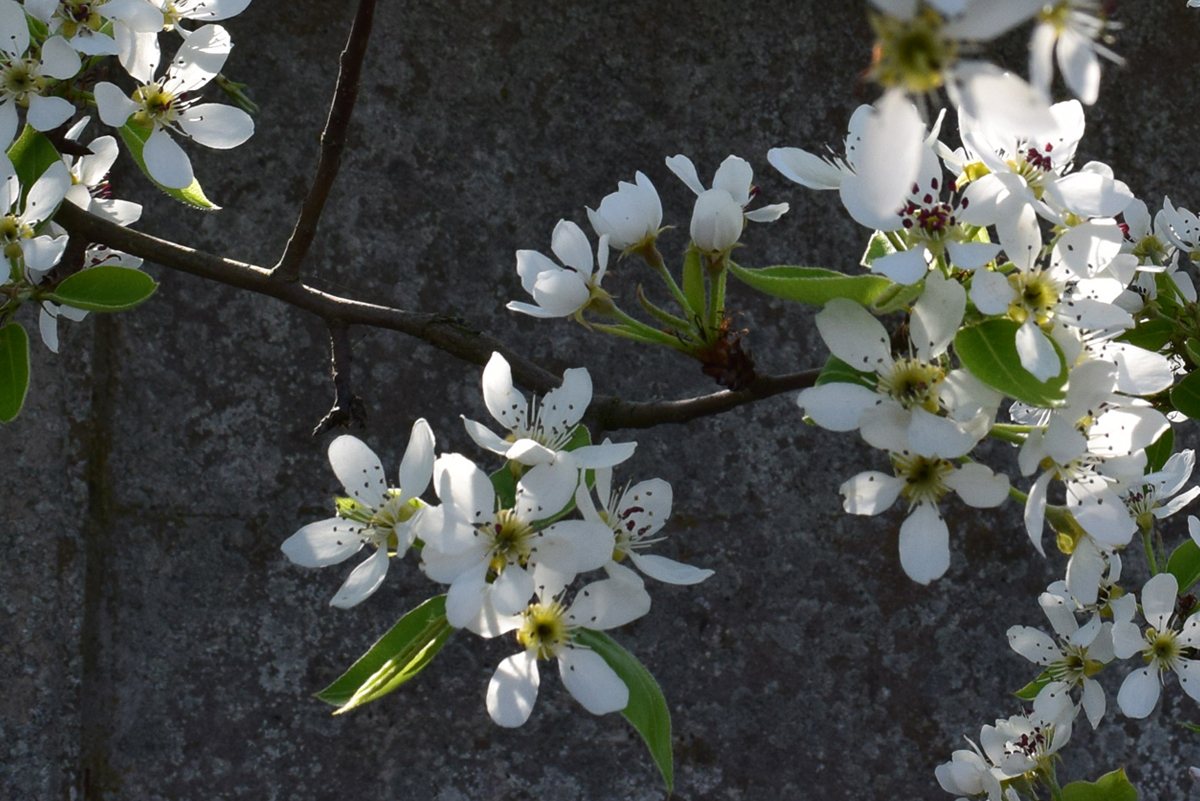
x=1113 y=786
x=989 y=351
x=31 y=155
x=1160 y=451
x=396 y=658
x=1184 y=565
x=877 y=247
x=1150 y=334
x=1185 y=396
x=897 y=297
x=812 y=285
x=505 y=485
x=106 y=288
x=14 y=370
x=1031 y=690
x=836 y=371
x=647 y=708
x=135 y=137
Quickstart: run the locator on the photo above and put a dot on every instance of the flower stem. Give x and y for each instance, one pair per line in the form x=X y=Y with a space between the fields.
x=1010 y=433
x=654 y=258
x=716 y=298
x=640 y=335
x=1147 y=542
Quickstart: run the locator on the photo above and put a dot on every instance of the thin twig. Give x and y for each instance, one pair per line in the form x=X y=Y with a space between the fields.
x=347 y=407
x=445 y=333
x=333 y=142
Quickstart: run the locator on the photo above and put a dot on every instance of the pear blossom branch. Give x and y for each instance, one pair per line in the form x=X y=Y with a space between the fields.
x=446 y=333
x=347 y=407
x=610 y=413
x=333 y=142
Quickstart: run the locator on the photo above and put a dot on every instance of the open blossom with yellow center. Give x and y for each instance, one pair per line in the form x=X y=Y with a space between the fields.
x=496 y=559
x=373 y=514
x=923 y=482
x=1079 y=653
x=165 y=104
x=906 y=407
x=546 y=629
x=26 y=75
x=1164 y=646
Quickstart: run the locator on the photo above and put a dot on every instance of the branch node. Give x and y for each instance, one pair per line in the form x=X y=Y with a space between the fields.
x=348 y=408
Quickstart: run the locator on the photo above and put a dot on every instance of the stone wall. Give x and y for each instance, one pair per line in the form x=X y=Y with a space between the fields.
x=155 y=644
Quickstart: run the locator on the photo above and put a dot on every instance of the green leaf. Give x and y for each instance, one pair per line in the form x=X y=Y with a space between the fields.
x=1185 y=396
x=1151 y=334
x=989 y=351
x=1192 y=346
x=135 y=137
x=1158 y=453
x=1113 y=786
x=836 y=371
x=897 y=297
x=580 y=437
x=32 y=154
x=106 y=288
x=647 y=709
x=399 y=656
x=693 y=283
x=1031 y=690
x=505 y=485
x=1184 y=565
x=1192 y=727
x=14 y=370
x=878 y=247
x=812 y=285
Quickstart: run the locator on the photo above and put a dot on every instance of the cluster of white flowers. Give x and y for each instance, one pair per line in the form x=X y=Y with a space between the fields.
x=52 y=53
x=511 y=547
x=1032 y=286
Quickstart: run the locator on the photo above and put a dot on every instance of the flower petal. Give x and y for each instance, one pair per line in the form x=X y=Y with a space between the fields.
x=359 y=470
x=324 y=543
x=593 y=683
x=217 y=125
x=503 y=401
x=513 y=690
x=609 y=603
x=924 y=544
x=668 y=570
x=1139 y=692
x=166 y=162
x=363 y=581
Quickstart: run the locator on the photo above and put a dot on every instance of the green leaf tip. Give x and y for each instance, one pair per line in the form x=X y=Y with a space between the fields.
x=647 y=709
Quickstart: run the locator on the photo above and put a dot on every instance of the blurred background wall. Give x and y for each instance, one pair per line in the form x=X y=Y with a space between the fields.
x=155 y=644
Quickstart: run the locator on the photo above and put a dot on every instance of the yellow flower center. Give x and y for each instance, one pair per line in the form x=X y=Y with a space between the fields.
x=911 y=54
x=1163 y=648
x=913 y=383
x=158 y=105
x=21 y=78
x=1037 y=295
x=76 y=15
x=544 y=629
x=924 y=478
x=512 y=540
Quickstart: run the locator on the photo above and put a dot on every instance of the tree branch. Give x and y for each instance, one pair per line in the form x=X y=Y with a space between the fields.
x=445 y=333
x=609 y=413
x=347 y=407
x=333 y=142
